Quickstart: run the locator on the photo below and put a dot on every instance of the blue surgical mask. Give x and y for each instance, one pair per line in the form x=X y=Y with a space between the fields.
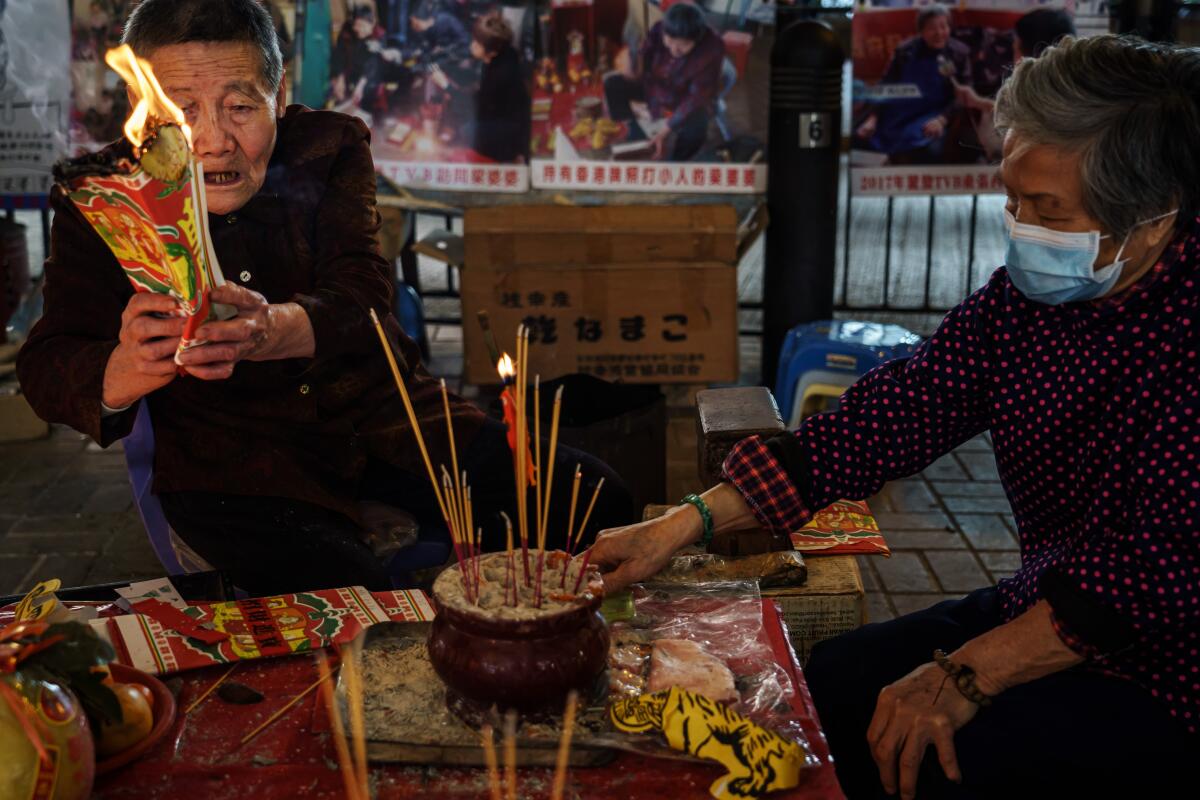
x=1054 y=267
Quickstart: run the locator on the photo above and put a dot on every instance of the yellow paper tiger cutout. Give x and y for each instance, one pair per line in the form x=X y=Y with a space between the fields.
x=758 y=761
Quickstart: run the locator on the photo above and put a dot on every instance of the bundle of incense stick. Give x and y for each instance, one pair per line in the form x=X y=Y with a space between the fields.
x=452 y=493
x=508 y=790
x=354 y=773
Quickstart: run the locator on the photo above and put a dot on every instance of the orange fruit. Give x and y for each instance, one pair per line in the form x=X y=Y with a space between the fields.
x=137 y=720
x=145 y=692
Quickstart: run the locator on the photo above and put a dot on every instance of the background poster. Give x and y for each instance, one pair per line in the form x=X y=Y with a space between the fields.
x=924 y=89
x=443 y=85
x=100 y=107
x=35 y=93
x=618 y=105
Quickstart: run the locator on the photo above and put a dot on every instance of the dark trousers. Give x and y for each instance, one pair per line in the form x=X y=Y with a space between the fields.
x=270 y=545
x=620 y=92
x=1074 y=734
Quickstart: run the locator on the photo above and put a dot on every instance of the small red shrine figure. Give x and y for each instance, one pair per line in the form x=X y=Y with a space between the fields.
x=578 y=71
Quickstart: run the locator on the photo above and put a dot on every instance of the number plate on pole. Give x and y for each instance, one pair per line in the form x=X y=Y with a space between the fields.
x=816 y=129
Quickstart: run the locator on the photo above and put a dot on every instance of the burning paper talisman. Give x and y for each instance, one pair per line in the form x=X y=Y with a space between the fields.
x=145 y=198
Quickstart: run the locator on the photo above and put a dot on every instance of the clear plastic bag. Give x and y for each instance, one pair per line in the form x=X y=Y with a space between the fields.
x=725 y=621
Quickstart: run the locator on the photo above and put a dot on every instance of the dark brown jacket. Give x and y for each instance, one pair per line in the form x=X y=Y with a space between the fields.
x=298 y=428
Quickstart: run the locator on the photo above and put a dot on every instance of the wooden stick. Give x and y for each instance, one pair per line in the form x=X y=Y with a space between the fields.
x=523 y=451
x=510 y=754
x=509 y=566
x=354 y=697
x=489 y=756
x=284 y=710
x=537 y=458
x=571 y=523
x=408 y=408
x=210 y=689
x=550 y=467
x=588 y=514
x=339 y=733
x=564 y=746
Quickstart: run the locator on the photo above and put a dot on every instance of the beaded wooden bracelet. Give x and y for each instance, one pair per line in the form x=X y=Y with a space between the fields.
x=964 y=679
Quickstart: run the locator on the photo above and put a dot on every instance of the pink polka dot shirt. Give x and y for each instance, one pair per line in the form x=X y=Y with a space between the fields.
x=1094 y=409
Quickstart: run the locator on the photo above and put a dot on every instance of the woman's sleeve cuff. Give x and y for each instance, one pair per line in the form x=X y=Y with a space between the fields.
x=760 y=478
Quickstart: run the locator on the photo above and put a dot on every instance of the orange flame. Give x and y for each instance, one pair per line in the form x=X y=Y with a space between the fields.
x=151 y=100
x=506 y=369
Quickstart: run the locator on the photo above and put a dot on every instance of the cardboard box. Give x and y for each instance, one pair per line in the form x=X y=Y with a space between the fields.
x=831 y=602
x=18 y=423
x=644 y=294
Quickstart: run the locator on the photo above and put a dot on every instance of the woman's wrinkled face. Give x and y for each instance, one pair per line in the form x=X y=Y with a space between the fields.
x=232 y=113
x=1044 y=188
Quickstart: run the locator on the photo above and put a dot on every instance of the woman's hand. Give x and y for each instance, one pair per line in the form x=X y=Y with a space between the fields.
x=261 y=331
x=144 y=358
x=920 y=709
x=636 y=552
x=633 y=553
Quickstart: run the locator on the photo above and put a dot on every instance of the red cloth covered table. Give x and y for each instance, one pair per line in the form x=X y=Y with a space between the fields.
x=295 y=757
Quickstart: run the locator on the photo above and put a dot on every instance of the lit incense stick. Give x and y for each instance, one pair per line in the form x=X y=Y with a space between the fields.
x=210 y=689
x=571 y=524
x=489 y=755
x=510 y=754
x=284 y=710
x=339 y=732
x=564 y=746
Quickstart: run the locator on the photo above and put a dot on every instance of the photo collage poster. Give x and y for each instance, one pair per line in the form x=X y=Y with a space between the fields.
x=442 y=84
x=663 y=96
x=925 y=82
x=507 y=95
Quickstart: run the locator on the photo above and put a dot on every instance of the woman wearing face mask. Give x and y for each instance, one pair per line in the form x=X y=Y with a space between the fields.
x=1080 y=675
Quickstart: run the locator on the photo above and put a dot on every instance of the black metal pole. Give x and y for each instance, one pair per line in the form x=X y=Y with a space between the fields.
x=802 y=192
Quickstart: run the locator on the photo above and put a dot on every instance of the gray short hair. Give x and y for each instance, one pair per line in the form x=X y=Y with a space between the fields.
x=159 y=23
x=931 y=11
x=1129 y=108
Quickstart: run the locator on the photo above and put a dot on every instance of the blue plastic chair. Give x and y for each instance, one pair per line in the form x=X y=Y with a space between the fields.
x=411 y=313
x=820 y=360
x=175 y=556
x=431 y=549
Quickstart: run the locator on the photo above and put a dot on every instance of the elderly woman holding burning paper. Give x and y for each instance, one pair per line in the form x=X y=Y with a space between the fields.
x=278 y=431
x=1077 y=676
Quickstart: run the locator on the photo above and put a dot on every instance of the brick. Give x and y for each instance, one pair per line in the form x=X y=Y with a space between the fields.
x=1001 y=561
x=72 y=570
x=878 y=608
x=977 y=504
x=912 y=496
x=945 y=468
x=48 y=543
x=969 y=488
x=904 y=572
x=979 y=443
x=957 y=572
x=111 y=499
x=921 y=540
x=64 y=497
x=868 y=574
x=13 y=570
x=986 y=531
x=910 y=521
x=909 y=603
x=980 y=466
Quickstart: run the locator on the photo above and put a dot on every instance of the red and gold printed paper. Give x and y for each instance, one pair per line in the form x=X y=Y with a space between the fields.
x=845 y=527
x=259 y=627
x=158 y=231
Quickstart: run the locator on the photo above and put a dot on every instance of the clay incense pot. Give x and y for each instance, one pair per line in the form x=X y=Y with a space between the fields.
x=490 y=656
